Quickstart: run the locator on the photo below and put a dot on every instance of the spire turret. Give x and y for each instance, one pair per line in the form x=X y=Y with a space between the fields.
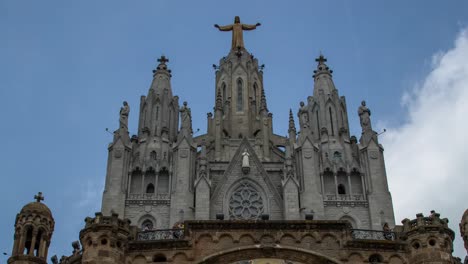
x=159 y=110
x=33 y=233
x=292 y=128
x=323 y=77
x=263 y=103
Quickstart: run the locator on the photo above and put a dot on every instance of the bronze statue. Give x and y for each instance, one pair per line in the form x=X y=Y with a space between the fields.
x=237 y=35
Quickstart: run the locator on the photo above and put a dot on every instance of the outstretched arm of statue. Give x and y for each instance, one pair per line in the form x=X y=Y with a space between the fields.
x=250 y=27
x=223 y=28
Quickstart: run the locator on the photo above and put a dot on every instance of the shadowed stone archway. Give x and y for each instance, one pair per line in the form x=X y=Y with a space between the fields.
x=276 y=252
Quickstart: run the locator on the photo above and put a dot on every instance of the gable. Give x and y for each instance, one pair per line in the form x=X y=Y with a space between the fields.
x=257 y=176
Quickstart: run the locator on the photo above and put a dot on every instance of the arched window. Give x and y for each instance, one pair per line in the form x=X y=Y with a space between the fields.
x=153 y=155
x=136 y=182
x=331 y=121
x=224 y=93
x=163 y=181
x=341 y=189
x=38 y=243
x=329 y=183
x=28 y=241
x=240 y=101
x=147 y=225
x=150 y=188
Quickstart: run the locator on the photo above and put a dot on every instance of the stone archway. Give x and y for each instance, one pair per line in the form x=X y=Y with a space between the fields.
x=274 y=251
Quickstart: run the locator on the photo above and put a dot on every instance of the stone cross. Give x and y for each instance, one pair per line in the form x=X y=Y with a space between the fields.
x=39 y=197
x=163 y=59
x=321 y=59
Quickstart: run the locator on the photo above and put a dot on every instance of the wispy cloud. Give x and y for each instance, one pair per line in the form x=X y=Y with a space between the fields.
x=91 y=193
x=427 y=156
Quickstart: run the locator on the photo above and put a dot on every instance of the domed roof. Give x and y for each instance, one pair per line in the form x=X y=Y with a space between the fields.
x=37 y=207
x=465 y=216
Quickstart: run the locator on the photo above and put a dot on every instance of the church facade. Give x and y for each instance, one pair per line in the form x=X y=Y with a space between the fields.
x=242 y=193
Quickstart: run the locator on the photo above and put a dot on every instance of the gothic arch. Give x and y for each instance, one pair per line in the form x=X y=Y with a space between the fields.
x=147 y=217
x=354 y=221
x=256 y=251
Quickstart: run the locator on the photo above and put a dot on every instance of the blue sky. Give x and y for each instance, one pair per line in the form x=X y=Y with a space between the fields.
x=66 y=67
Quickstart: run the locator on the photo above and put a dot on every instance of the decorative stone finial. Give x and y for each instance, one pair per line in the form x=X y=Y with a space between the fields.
x=292 y=126
x=163 y=59
x=321 y=59
x=322 y=67
x=39 y=197
x=263 y=103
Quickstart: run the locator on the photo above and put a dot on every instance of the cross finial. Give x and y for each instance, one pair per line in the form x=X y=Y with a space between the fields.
x=163 y=59
x=321 y=59
x=39 y=197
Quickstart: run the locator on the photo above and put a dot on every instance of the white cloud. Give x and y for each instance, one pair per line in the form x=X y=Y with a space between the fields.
x=426 y=157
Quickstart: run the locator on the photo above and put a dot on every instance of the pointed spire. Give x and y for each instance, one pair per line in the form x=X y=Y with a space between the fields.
x=321 y=66
x=292 y=125
x=219 y=101
x=263 y=103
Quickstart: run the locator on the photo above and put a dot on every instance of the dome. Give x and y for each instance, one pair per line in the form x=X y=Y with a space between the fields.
x=465 y=216
x=37 y=207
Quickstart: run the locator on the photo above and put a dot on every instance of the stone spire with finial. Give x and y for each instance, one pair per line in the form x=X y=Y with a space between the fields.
x=263 y=103
x=292 y=127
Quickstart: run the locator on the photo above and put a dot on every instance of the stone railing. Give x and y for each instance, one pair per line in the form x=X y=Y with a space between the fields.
x=148 y=196
x=344 y=197
x=372 y=234
x=162 y=234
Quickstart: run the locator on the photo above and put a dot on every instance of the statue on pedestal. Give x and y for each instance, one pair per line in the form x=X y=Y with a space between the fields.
x=123 y=120
x=237 y=32
x=364 y=117
x=245 y=162
x=303 y=116
x=186 y=118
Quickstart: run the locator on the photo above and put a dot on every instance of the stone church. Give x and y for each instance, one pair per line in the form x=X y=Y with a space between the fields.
x=242 y=193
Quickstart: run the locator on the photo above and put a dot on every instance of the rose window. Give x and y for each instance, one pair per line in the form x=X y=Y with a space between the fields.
x=245 y=203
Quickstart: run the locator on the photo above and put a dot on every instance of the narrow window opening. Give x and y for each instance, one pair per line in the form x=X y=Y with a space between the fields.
x=157 y=112
x=341 y=189
x=331 y=121
x=255 y=92
x=240 y=101
x=318 y=122
x=27 y=244
x=150 y=188
x=38 y=243
x=153 y=155
x=163 y=182
x=224 y=93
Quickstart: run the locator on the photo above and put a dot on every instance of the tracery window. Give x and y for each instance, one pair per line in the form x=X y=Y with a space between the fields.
x=246 y=203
